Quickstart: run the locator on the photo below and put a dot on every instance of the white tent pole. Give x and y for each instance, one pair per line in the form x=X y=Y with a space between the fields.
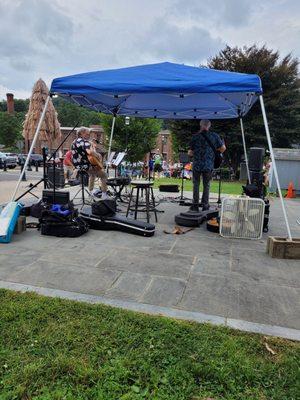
x=245 y=149
x=32 y=146
x=110 y=140
x=274 y=165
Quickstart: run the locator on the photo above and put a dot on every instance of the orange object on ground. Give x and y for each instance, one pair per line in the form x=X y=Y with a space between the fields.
x=290 y=194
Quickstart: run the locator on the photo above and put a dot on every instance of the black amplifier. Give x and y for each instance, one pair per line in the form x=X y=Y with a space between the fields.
x=60 y=197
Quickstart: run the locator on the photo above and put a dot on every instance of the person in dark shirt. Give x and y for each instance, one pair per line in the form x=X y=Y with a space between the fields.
x=203 y=162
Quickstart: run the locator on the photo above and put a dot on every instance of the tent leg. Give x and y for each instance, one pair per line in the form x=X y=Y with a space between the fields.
x=274 y=165
x=110 y=140
x=245 y=150
x=32 y=146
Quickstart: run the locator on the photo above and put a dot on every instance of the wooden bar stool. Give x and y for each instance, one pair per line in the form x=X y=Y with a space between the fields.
x=147 y=206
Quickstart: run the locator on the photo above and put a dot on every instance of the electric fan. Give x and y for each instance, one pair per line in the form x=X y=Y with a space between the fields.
x=242 y=217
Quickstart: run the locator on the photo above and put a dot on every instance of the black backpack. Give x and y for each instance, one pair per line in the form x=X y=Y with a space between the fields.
x=104 y=208
x=55 y=224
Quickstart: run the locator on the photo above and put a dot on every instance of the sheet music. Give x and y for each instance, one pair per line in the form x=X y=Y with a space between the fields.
x=119 y=158
x=112 y=154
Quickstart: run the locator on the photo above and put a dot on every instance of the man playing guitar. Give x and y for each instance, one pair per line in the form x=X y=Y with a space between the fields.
x=85 y=157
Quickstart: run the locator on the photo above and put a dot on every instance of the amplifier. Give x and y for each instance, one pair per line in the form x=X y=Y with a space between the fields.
x=169 y=188
x=60 y=197
x=59 y=177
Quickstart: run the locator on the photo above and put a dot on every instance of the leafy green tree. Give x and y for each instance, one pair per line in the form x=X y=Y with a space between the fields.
x=69 y=114
x=10 y=129
x=138 y=137
x=281 y=95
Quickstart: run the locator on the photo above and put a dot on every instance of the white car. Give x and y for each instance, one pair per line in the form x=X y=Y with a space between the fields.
x=9 y=160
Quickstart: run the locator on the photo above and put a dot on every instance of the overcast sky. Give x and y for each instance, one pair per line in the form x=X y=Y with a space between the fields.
x=52 y=38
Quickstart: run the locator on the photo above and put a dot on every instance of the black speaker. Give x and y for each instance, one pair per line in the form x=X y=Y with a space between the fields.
x=59 y=177
x=256 y=158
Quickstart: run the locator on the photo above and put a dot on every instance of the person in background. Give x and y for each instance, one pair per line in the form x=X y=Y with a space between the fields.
x=203 y=161
x=151 y=167
x=68 y=165
x=157 y=165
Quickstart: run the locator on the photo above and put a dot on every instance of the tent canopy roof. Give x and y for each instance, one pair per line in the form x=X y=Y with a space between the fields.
x=164 y=90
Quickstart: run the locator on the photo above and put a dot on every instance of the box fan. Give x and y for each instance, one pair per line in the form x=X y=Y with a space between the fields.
x=242 y=217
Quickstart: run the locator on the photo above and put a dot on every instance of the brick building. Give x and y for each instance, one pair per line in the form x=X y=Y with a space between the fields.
x=164 y=146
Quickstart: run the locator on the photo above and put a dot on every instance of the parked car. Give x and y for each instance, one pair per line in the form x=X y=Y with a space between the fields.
x=10 y=161
x=34 y=158
x=12 y=155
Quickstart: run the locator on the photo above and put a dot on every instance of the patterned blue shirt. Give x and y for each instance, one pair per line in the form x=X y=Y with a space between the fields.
x=203 y=155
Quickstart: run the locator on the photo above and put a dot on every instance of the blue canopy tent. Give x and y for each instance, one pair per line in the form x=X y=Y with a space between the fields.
x=166 y=91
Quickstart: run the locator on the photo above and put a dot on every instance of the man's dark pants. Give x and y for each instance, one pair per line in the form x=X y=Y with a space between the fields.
x=206 y=177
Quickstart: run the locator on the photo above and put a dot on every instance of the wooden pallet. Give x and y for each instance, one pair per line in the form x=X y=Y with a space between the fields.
x=278 y=247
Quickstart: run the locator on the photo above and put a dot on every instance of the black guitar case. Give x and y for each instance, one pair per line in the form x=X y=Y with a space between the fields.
x=194 y=219
x=116 y=222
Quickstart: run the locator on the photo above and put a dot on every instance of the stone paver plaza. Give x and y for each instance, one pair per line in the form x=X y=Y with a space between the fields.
x=198 y=276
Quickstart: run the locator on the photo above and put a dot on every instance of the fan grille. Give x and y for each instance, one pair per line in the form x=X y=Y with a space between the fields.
x=242 y=218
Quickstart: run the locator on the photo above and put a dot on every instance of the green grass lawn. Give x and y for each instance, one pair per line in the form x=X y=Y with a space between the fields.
x=57 y=349
x=227 y=187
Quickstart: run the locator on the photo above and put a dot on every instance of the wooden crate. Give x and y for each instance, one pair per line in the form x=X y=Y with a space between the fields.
x=278 y=247
x=20 y=225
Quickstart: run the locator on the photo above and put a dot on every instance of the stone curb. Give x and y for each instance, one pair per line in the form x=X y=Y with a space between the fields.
x=271 y=330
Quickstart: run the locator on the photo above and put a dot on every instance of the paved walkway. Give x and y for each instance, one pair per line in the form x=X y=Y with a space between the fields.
x=198 y=275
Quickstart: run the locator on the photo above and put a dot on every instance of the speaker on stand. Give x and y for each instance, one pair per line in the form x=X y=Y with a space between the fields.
x=257 y=188
x=256 y=159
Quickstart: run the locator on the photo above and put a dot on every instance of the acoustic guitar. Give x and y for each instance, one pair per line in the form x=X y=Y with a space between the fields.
x=95 y=161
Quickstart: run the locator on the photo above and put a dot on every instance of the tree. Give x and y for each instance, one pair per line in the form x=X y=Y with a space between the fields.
x=138 y=137
x=10 y=129
x=281 y=94
x=69 y=114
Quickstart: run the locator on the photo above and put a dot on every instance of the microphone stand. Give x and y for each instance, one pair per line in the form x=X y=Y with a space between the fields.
x=45 y=178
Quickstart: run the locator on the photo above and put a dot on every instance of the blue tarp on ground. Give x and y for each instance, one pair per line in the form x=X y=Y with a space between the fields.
x=164 y=90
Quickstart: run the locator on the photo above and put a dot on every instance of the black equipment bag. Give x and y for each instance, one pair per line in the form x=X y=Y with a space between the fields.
x=74 y=182
x=169 y=188
x=37 y=209
x=117 y=223
x=104 y=208
x=56 y=224
x=218 y=156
